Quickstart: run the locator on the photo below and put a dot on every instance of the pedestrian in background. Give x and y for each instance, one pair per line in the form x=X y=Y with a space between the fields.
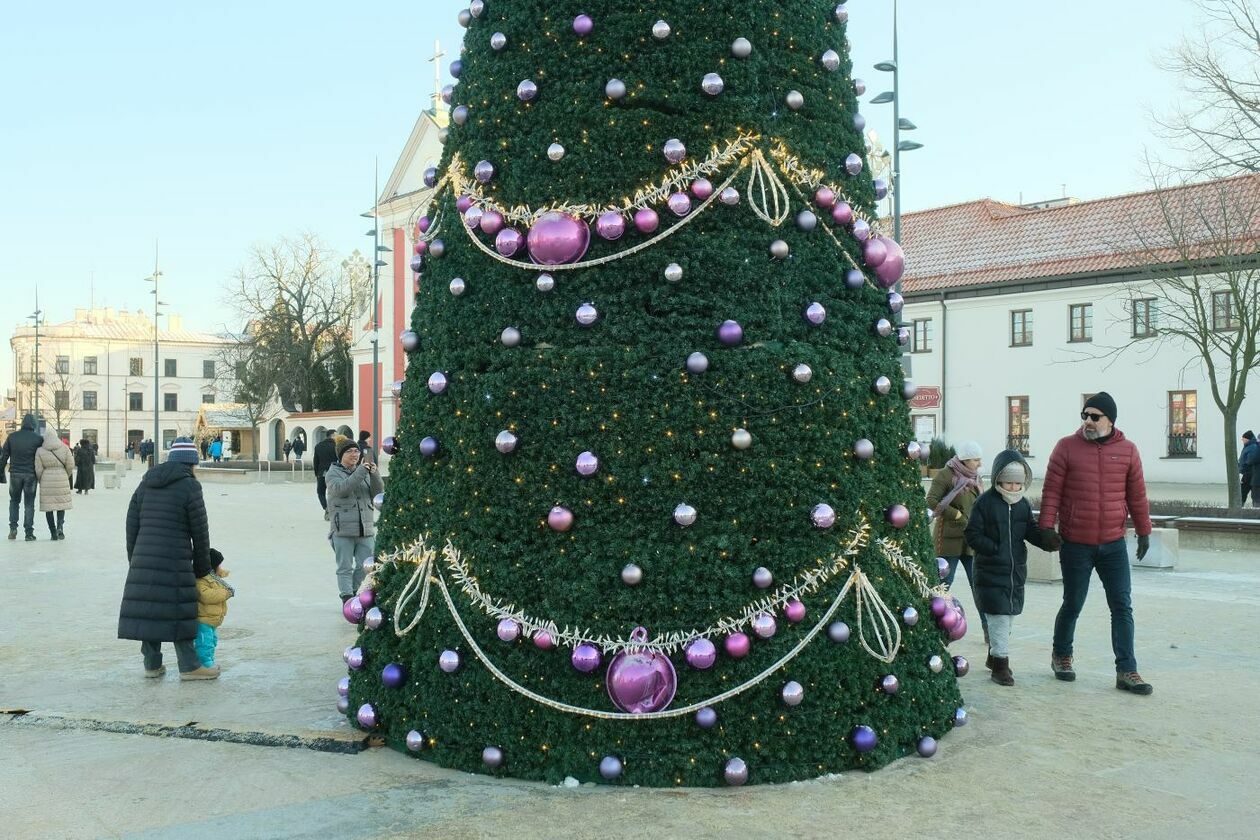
x=54 y=467
x=85 y=467
x=325 y=456
x=18 y=453
x=1249 y=469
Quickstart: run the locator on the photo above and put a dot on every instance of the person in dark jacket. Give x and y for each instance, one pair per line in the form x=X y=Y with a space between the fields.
x=85 y=467
x=1249 y=469
x=1001 y=521
x=168 y=549
x=1093 y=485
x=365 y=447
x=325 y=456
x=299 y=448
x=19 y=454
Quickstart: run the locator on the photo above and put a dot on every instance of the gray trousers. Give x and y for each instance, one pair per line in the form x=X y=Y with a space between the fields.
x=185 y=654
x=1000 y=634
x=351 y=552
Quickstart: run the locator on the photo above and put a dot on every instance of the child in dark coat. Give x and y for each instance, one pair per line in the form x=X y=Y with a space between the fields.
x=1001 y=520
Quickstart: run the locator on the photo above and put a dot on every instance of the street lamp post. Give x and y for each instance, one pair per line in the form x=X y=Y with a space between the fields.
x=900 y=124
x=377 y=263
x=37 y=317
x=154 y=278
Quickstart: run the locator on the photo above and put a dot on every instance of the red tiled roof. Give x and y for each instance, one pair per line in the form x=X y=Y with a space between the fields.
x=985 y=242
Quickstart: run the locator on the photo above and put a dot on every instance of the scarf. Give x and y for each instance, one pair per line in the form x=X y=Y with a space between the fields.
x=1011 y=497
x=963 y=478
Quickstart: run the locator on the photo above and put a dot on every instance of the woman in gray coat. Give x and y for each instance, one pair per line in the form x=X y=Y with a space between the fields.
x=351 y=515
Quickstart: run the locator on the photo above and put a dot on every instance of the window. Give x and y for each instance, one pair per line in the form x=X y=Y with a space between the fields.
x=1081 y=318
x=922 y=342
x=168 y=367
x=1017 y=424
x=135 y=401
x=1021 y=328
x=63 y=364
x=89 y=365
x=168 y=437
x=241 y=369
x=61 y=400
x=89 y=401
x=1144 y=318
x=90 y=435
x=207 y=369
x=170 y=402
x=207 y=398
x=137 y=366
x=1224 y=313
x=1183 y=424
x=924 y=427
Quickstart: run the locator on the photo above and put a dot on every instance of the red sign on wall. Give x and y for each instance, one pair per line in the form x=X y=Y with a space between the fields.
x=929 y=396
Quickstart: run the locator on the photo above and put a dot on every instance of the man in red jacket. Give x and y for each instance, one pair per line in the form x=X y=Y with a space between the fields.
x=1093 y=485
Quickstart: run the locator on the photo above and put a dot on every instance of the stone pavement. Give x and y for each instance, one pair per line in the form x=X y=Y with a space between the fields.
x=1043 y=759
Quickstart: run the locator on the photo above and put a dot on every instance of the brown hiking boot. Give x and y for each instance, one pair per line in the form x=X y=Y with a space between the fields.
x=200 y=674
x=1133 y=682
x=1062 y=667
x=990 y=662
x=1002 y=671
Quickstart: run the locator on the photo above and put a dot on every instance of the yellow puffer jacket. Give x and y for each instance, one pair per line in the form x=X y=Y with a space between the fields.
x=212 y=597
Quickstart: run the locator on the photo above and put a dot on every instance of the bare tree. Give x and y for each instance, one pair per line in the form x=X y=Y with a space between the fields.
x=1218 y=123
x=297 y=304
x=246 y=377
x=60 y=392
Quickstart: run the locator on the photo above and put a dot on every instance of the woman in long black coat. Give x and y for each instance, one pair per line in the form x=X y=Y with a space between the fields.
x=85 y=467
x=168 y=548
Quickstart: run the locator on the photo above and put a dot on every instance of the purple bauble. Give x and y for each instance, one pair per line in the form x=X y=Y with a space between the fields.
x=702 y=188
x=354 y=658
x=825 y=198
x=763 y=578
x=430 y=176
x=472 y=217
x=647 y=220
x=701 y=654
x=706 y=718
x=583 y=25
x=679 y=204
x=409 y=341
x=842 y=213
x=641 y=681
x=492 y=757
x=343 y=687
x=737 y=645
x=610 y=767
x=437 y=382
x=838 y=632
x=674 y=150
x=764 y=626
x=948 y=620
x=854 y=279
x=462 y=204
x=853 y=163
x=864 y=739
x=343 y=705
x=960 y=716
x=393 y=675
x=610 y=226
x=730 y=333
x=558 y=239
x=508 y=630
x=587 y=464
x=483 y=171
x=898 y=516
x=864 y=449
x=366 y=716
x=508 y=242
x=735 y=772
x=417 y=264
x=457 y=68
x=367 y=598
x=793 y=693
x=543 y=640
x=890 y=684
x=960 y=630
x=938 y=605
x=389 y=445
x=861 y=230
x=449 y=661
x=942 y=570
x=492 y=222
x=927 y=746
x=416 y=741
x=560 y=519
x=823 y=516
x=373 y=618
x=353 y=610
x=585 y=658
x=961 y=666
x=795 y=611
x=910 y=616
x=429 y=447
x=894 y=265
x=874 y=252
x=815 y=313
x=879 y=184
x=527 y=90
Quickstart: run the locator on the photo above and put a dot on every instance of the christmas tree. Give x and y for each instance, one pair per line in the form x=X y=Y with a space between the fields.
x=653 y=514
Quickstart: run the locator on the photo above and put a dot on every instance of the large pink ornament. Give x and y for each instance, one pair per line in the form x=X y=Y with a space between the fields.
x=353 y=610
x=640 y=681
x=558 y=239
x=491 y=222
x=508 y=242
x=610 y=226
x=737 y=645
x=560 y=519
x=647 y=220
x=875 y=252
x=898 y=516
x=893 y=266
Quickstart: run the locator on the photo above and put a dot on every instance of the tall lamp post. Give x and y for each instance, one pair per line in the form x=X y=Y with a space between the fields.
x=154 y=278
x=900 y=124
x=377 y=263
x=38 y=317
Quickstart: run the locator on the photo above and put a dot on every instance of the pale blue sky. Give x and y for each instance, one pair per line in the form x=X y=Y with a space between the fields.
x=213 y=126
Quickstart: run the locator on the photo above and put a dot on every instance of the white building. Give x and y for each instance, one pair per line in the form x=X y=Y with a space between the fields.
x=97 y=374
x=1013 y=311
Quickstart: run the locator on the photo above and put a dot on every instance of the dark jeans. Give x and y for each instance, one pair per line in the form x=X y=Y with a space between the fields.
x=56 y=521
x=22 y=492
x=968 y=564
x=1111 y=561
x=321 y=490
x=1245 y=485
x=185 y=654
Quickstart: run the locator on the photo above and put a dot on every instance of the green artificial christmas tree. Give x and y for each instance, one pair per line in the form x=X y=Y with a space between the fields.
x=653 y=517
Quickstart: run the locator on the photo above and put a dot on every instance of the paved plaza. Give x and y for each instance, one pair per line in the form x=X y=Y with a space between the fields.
x=1042 y=759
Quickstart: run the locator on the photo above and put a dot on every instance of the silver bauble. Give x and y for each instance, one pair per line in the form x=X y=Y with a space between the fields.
x=458 y=286
x=527 y=91
x=712 y=84
x=795 y=100
x=741 y=439
x=545 y=283
x=555 y=152
x=498 y=41
x=882 y=385
x=802 y=373
x=465 y=18
x=459 y=115
x=631 y=575
x=842 y=14
x=697 y=363
x=806 y=220
x=779 y=249
x=674 y=273
x=506 y=442
x=511 y=337
x=831 y=60
x=883 y=328
x=660 y=30
x=685 y=515
x=477 y=7
x=674 y=150
x=859 y=87
x=864 y=449
x=741 y=48
x=729 y=196
x=615 y=89
x=793 y=693
x=908 y=390
x=587 y=314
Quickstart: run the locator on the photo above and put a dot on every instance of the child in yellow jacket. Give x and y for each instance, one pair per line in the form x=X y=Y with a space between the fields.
x=212 y=595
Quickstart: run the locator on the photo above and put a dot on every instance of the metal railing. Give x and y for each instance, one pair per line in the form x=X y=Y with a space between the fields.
x=1017 y=442
x=1183 y=446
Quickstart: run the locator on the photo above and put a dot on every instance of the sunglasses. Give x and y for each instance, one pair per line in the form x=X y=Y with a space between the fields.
x=1089 y=415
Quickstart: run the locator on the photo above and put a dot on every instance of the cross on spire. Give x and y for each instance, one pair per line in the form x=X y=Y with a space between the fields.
x=438 y=55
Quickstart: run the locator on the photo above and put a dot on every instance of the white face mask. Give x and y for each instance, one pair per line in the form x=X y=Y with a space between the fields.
x=1010 y=496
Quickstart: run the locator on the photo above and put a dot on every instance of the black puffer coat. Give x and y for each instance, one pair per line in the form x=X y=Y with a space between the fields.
x=996 y=533
x=19 y=449
x=168 y=548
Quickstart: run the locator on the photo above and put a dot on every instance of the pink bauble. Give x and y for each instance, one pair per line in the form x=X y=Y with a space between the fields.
x=737 y=645
x=367 y=598
x=948 y=620
x=491 y=222
x=701 y=654
x=825 y=198
x=898 y=516
x=875 y=252
x=702 y=188
x=461 y=204
x=558 y=239
x=647 y=220
x=543 y=640
x=422 y=248
x=893 y=266
x=842 y=213
x=353 y=610
x=938 y=607
x=585 y=658
x=610 y=226
x=508 y=242
x=508 y=630
x=560 y=519
x=795 y=611
x=641 y=682
x=959 y=630
x=423 y=225
x=680 y=204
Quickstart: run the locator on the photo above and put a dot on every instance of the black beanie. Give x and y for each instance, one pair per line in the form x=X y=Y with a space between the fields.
x=1249 y=435
x=1103 y=402
x=216 y=558
x=345 y=445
